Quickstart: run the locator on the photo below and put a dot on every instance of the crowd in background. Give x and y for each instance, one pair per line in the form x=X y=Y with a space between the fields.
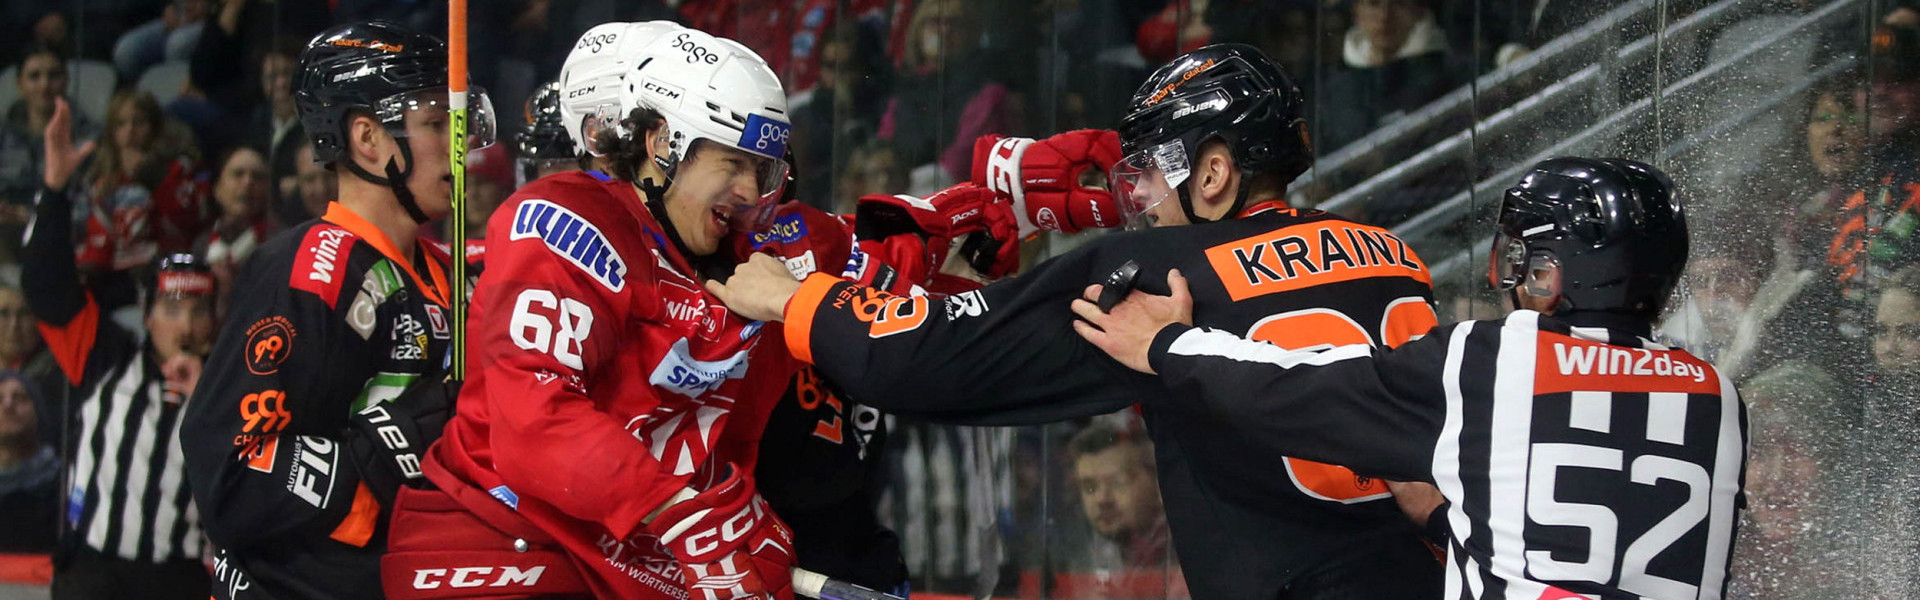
x=1804 y=285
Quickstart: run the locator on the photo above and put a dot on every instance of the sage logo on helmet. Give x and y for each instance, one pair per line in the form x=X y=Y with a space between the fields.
x=1611 y=227
x=1226 y=92
x=710 y=90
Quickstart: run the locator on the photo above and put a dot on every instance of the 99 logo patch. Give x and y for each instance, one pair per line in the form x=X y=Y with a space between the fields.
x=269 y=343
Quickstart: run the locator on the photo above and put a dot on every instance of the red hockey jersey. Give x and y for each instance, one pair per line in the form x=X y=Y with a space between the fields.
x=603 y=378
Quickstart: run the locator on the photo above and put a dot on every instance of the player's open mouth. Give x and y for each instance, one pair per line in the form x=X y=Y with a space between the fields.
x=721 y=220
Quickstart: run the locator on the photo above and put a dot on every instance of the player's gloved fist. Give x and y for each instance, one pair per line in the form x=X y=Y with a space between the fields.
x=388 y=440
x=984 y=217
x=1041 y=178
x=729 y=542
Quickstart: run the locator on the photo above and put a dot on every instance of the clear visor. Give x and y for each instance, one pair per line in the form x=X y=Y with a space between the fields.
x=596 y=120
x=768 y=176
x=393 y=110
x=1145 y=179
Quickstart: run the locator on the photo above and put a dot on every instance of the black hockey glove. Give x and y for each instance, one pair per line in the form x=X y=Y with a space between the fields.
x=388 y=440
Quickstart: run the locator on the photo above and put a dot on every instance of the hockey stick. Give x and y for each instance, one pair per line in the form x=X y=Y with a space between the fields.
x=814 y=585
x=457 y=105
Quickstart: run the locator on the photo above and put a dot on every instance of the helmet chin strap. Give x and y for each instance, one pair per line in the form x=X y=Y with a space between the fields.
x=1239 y=203
x=396 y=180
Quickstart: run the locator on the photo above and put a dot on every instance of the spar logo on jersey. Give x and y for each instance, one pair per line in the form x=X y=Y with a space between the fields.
x=319 y=265
x=572 y=237
x=683 y=374
x=310 y=477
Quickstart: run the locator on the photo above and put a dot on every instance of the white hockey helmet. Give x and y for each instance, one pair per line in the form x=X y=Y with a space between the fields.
x=593 y=79
x=707 y=88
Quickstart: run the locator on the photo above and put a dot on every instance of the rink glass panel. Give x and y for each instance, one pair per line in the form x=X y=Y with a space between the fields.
x=1771 y=115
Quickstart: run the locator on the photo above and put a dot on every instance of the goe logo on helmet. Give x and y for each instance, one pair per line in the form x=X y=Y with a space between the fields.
x=695 y=52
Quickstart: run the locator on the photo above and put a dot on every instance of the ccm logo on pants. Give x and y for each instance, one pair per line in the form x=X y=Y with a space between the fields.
x=470 y=577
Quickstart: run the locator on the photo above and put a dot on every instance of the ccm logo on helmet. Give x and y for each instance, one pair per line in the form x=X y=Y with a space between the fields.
x=472 y=577
x=695 y=52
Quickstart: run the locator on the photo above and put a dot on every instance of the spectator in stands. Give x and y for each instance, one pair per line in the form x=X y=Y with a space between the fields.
x=29 y=472
x=275 y=126
x=22 y=351
x=1794 y=534
x=1891 y=394
x=1896 y=336
x=852 y=89
x=142 y=193
x=42 y=77
x=171 y=37
x=1875 y=232
x=1395 y=60
x=240 y=195
x=306 y=192
x=237 y=38
x=872 y=168
x=1120 y=496
x=946 y=96
x=1836 y=143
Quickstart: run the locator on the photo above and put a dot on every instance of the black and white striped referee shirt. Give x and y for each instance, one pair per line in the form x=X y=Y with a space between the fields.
x=1578 y=458
x=127 y=494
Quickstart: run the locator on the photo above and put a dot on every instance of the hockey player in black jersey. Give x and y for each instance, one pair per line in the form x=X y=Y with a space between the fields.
x=1211 y=139
x=1578 y=457
x=318 y=400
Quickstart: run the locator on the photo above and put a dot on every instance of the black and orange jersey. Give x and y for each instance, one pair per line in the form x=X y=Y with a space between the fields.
x=1578 y=458
x=1007 y=354
x=327 y=318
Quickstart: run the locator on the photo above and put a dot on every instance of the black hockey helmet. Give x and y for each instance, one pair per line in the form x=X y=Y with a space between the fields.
x=545 y=138
x=383 y=70
x=1229 y=92
x=1612 y=227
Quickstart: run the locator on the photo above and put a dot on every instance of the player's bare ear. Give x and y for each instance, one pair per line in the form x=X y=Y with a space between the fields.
x=363 y=135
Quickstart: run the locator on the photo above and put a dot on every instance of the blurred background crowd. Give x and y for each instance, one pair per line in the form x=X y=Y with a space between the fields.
x=1791 y=126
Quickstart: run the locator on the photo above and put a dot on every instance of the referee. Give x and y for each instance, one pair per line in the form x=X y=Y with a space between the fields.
x=1578 y=457
x=130 y=530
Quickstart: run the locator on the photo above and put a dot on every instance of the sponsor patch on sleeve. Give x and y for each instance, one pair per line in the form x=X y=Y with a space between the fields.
x=320 y=266
x=571 y=237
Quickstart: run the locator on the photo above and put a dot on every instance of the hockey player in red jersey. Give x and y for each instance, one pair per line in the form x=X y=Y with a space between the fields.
x=603 y=443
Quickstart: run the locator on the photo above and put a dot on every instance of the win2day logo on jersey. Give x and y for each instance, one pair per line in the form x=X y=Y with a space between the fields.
x=572 y=237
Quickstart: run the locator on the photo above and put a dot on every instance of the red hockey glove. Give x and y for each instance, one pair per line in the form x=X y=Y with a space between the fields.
x=961 y=210
x=1041 y=179
x=729 y=542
